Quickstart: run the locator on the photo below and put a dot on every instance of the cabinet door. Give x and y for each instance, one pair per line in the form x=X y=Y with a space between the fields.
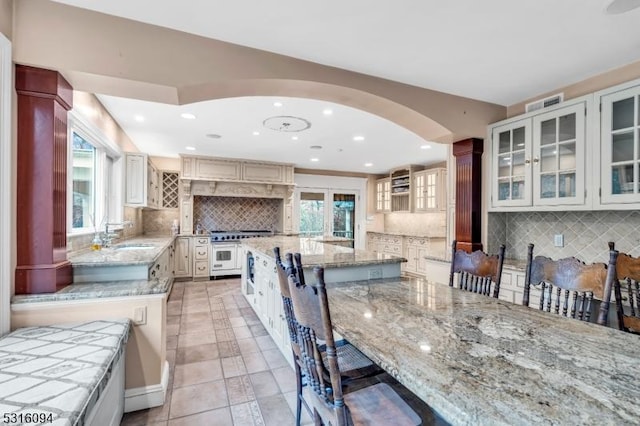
x=258 y=172
x=620 y=147
x=217 y=169
x=559 y=156
x=183 y=257
x=412 y=258
x=135 y=179
x=511 y=158
x=383 y=195
x=153 y=189
x=419 y=181
x=186 y=219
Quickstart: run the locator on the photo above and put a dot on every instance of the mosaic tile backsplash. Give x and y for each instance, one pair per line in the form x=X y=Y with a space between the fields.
x=237 y=213
x=585 y=233
x=431 y=224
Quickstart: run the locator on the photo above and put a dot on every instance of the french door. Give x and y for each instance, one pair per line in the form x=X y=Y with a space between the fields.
x=326 y=212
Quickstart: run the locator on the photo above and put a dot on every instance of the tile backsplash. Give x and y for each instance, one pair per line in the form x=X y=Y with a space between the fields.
x=159 y=222
x=431 y=224
x=585 y=233
x=130 y=214
x=237 y=213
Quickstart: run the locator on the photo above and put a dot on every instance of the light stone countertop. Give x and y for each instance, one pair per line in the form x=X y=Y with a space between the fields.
x=99 y=290
x=482 y=361
x=318 y=253
x=110 y=256
x=404 y=234
x=59 y=371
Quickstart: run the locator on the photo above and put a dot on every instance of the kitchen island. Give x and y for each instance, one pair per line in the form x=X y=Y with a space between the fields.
x=477 y=360
x=260 y=283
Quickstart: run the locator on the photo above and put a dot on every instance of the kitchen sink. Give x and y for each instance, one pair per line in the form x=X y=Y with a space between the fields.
x=123 y=247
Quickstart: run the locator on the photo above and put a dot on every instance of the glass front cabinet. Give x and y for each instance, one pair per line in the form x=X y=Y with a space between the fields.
x=539 y=159
x=620 y=146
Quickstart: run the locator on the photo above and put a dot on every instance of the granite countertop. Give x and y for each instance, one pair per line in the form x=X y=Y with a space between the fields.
x=59 y=371
x=482 y=361
x=99 y=290
x=402 y=234
x=331 y=238
x=111 y=256
x=317 y=253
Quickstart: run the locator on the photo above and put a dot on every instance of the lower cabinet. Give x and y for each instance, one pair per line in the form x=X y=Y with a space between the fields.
x=164 y=265
x=414 y=249
x=415 y=252
x=183 y=257
x=201 y=258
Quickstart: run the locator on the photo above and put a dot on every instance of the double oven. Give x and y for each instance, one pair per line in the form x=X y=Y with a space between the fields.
x=225 y=250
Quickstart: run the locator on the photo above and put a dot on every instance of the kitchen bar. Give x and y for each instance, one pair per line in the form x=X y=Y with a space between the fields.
x=477 y=360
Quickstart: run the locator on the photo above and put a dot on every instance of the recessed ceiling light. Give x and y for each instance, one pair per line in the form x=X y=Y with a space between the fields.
x=277 y=104
x=368 y=164
x=256 y=133
x=327 y=111
x=425 y=146
x=358 y=138
x=138 y=118
x=213 y=135
x=615 y=7
x=316 y=147
x=190 y=148
x=294 y=138
x=315 y=160
x=188 y=116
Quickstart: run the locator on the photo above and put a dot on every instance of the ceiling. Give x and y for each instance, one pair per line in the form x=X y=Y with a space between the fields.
x=499 y=51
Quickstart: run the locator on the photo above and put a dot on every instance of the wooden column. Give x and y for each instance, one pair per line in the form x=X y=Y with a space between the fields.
x=468 y=155
x=44 y=97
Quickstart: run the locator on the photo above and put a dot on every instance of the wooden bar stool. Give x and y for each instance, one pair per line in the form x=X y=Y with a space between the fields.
x=477 y=272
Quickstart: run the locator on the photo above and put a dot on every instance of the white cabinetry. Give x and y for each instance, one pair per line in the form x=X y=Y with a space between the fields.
x=201 y=258
x=183 y=257
x=619 y=161
x=164 y=265
x=234 y=170
x=429 y=190
x=142 y=187
x=539 y=160
x=383 y=195
x=416 y=249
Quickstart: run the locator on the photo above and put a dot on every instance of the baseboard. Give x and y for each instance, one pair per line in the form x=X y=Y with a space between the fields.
x=147 y=396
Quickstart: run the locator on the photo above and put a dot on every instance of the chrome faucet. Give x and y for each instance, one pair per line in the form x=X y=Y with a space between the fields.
x=109 y=236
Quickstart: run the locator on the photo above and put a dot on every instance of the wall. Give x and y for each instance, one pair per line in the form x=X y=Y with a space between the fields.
x=6 y=18
x=237 y=213
x=585 y=233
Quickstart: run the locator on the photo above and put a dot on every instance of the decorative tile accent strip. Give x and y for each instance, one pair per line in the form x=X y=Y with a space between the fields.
x=237 y=213
x=585 y=233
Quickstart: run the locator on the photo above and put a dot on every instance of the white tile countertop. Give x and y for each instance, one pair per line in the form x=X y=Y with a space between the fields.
x=59 y=371
x=99 y=290
x=112 y=256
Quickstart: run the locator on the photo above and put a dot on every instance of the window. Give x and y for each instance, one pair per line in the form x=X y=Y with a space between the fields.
x=94 y=176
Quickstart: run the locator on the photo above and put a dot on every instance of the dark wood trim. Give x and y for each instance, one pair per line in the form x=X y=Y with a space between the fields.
x=468 y=154
x=44 y=97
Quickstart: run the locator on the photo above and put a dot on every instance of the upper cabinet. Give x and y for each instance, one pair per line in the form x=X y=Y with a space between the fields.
x=233 y=170
x=429 y=188
x=141 y=181
x=620 y=145
x=409 y=189
x=539 y=160
x=383 y=195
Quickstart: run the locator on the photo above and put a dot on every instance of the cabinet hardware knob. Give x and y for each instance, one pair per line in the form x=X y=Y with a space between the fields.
x=527 y=161
x=535 y=160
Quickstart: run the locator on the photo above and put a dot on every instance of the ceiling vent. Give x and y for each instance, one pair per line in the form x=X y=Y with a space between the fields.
x=544 y=103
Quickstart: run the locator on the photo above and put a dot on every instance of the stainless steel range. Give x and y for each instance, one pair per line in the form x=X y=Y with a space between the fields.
x=225 y=250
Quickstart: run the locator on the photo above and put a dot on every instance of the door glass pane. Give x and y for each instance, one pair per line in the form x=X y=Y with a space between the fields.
x=505 y=142
x=504 y=165
x=517 y=188
x=622 y=114
x=344 y=215
x=567 y=155
x=518 y=138
x=548 y=186
x=622 y=147
x=311 y=214
x=567 y=127
x=84 y=175
x=622 y=179
x=548 y=161
x=503 y=189
x=548 y=131
x=518 y=163
x=567 y=184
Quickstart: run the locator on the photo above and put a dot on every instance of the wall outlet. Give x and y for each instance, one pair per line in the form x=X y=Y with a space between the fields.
x=558 y=240
x=140 y=315
x=375 y=273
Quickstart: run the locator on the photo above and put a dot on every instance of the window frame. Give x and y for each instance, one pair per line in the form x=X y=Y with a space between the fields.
x=79 y=124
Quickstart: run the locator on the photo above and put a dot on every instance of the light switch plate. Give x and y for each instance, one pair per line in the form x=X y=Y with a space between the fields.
x=558 y=240
x=140 y=315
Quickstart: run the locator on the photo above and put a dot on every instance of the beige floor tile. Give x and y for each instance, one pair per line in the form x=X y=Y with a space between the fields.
x=274 y=358
x=248 y=346
x=275 y=411
x=285 y=377
x=173 y=329
x=239 y=389
x=172 y=342
x=195 y=317
x=258 y=330
x=197 y=372
x=219 y=417
x=229 y=349
x=242 y=332
x=216 y=315
x=237 y=322
x=196 y=327
x=265 y=343
x=195 y=307
x=197 y=353
x=255 y=362
x=225 y=335
x=247 y=414
x=233 y=313
x=233 y=366
x=221 y=323
x=264 y=384
x=198 y=398
x=174 y=307
x=195 y=339
x=305 y=418
x=173 y=319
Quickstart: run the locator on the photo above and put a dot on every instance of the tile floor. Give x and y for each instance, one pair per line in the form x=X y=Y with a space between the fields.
x=224 y=367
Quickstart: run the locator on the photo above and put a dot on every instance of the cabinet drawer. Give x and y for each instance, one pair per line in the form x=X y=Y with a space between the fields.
x=201 y=268
x=201 y=253
x=392 y=249
x=202 y=241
